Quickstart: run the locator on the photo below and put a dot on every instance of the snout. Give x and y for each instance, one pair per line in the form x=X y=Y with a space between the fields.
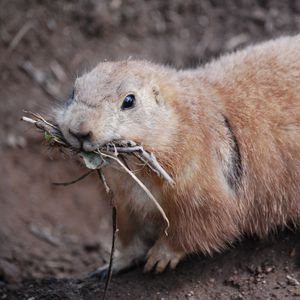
x=86 y=129
x=82 y=136
x=82 y=133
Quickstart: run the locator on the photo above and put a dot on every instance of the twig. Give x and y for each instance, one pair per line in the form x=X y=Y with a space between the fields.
x=39 y=117
x=114 y=222
x=29 y=120
x=149 y=157
x=56 y=134
x=51 y=129
x=124 y=161
x=146 y=190
x=73 y=181
x=153 y=161
x=115 y=152
x=40 y=123
x=145 y=163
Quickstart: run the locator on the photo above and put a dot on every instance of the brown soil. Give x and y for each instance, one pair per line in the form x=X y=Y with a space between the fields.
x=50 y=237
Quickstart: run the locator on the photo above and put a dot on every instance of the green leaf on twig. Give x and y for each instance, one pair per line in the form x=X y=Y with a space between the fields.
x=93 y=161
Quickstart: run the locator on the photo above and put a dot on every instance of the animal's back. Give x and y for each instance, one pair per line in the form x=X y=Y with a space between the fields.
x=260 y=91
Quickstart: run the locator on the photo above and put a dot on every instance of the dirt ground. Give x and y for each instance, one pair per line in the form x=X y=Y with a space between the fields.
x=50 y=237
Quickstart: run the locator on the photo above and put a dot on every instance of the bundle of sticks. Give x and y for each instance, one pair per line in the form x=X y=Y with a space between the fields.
x=99 y=158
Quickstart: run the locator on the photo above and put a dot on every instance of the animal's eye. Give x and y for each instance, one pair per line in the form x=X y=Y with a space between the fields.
x=71 y=98
x=128 y=102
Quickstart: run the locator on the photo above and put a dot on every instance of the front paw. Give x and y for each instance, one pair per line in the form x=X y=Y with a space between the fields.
x=160 y=256
x=119 y=265
x=124 y=259
x=101 y=272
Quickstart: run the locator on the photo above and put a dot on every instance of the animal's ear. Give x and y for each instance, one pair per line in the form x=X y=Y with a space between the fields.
x=158 y=97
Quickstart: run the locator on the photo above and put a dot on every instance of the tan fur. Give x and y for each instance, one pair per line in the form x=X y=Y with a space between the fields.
x=179 y=116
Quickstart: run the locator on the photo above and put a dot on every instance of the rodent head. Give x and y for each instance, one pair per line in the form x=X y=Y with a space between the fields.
x=118 y=101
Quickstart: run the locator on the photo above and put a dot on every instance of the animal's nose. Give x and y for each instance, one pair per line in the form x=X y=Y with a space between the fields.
x=81 y=136
x=83 y=132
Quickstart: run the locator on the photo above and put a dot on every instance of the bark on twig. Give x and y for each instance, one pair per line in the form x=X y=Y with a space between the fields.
x=73 y=181
x=114 y=222
x=149 y=158
x=146 y=190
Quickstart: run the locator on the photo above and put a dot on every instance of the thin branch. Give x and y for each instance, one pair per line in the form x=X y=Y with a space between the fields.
x=149 y=157
x=42 y=124
x=73 y=181
x=114 y=151
x=29 y=120
x=114 y=222
x=57 y=136
x=112 y=251
x=39 y=117
x=146 y=190
x=153 y=161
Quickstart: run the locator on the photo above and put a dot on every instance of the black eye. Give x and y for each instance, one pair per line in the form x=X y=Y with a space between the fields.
x=71 y=98
x=128 y=102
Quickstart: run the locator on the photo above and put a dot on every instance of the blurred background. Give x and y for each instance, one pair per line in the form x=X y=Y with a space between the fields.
x=53 y=232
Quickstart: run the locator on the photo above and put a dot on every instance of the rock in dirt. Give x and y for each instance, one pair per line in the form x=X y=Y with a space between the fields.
x=292 y=280
x=9 y=271
x=233 y=281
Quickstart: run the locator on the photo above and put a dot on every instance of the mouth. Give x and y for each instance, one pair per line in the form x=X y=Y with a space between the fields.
x=84 y=145
x=89 y=147
x=78 y=143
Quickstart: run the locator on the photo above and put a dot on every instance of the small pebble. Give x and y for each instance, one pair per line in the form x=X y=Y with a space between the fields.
x=293 y=253
x=212 y=280
x=238 y=297
x=251 y=269
x=269 y=269
x=190 y=294
x=292 y=281
x=9 y=271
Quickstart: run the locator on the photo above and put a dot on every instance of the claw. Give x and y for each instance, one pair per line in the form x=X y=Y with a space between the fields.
x=160 y=257
x=149 y=265
x=100 y=273
x=161 y=266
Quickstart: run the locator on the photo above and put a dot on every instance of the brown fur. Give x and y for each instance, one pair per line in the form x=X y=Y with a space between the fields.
x=199 y=124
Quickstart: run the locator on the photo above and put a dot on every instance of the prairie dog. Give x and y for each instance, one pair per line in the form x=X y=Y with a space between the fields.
x=228 y=133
